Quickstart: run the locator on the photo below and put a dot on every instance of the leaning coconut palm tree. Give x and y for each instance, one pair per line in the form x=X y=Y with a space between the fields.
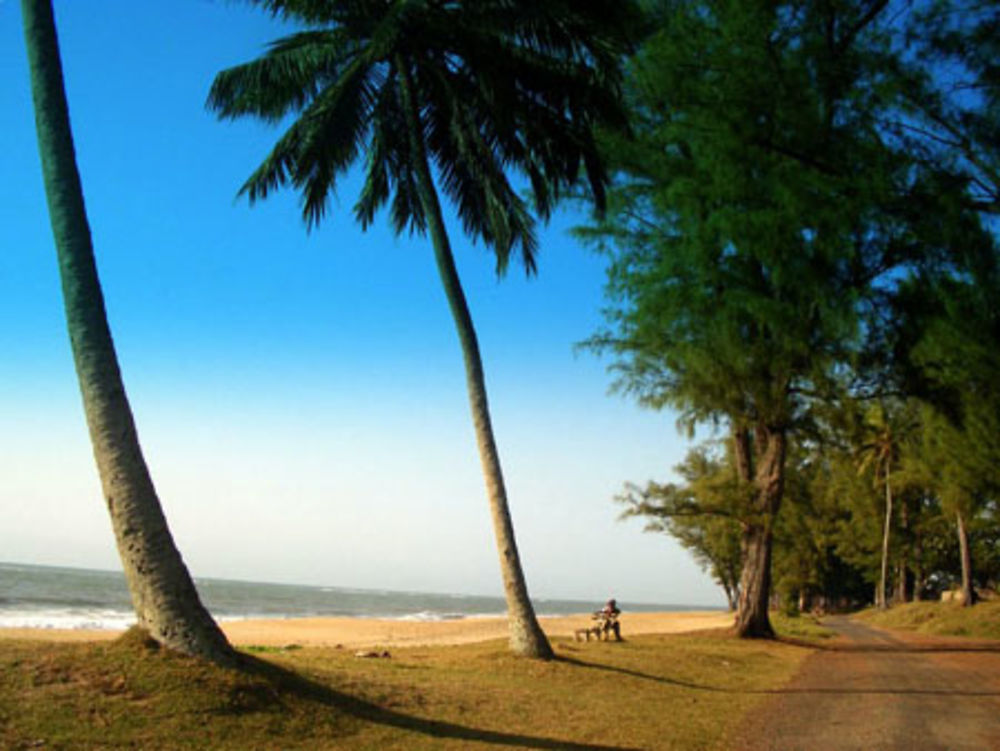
x=165 y=600
x=442 y=95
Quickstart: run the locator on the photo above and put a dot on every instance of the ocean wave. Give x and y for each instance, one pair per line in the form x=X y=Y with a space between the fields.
x=41 y=601
x=427 y=616
x=90 y=620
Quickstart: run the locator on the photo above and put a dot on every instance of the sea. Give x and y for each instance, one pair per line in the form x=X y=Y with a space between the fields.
x=74 y=598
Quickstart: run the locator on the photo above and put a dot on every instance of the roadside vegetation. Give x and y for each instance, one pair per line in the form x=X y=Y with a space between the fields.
x=940 y=618
x=803 y=627
x=664 y=692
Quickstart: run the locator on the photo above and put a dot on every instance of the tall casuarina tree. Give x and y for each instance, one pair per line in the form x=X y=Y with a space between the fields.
x=758 y=228
x=454 y=96
x=163 y=594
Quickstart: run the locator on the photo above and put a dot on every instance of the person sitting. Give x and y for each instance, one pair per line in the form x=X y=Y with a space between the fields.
x=608 y=617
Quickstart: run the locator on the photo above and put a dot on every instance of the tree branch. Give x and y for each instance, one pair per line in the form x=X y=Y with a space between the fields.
x=877 y=7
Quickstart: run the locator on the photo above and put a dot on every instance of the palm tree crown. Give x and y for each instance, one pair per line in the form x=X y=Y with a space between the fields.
x=501 y=86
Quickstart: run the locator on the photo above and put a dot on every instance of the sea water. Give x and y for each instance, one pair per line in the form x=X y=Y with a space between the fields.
x=55 y=597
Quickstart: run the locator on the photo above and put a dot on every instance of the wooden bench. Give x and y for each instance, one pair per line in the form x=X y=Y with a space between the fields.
x=605 y=626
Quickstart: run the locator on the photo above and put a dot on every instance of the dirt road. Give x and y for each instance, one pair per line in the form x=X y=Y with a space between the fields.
x=871 y=690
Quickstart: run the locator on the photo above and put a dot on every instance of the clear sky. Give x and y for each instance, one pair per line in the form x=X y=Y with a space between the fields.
x=300 y=398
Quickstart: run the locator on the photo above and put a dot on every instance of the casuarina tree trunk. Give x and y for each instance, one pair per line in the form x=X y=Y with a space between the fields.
x=969 y=596
x=752 y=619
x=163 y=594
x=526 y=635
x=731 y=595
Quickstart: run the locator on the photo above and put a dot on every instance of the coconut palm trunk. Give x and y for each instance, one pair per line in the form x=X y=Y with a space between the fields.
x=883 y=580
x=903 y=574
x=969 y=596
x=163 y=594
x=526 y=636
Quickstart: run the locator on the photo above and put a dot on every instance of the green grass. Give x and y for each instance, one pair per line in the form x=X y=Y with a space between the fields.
x=802 y=627
x=662 y=692
x=942 y=618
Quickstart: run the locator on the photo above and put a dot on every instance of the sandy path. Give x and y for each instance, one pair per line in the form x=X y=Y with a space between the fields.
x=874 y=690
x=364 y=632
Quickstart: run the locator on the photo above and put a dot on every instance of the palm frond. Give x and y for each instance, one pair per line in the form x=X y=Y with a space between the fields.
x=386 y=174
x=504 y=87
x=286 y=79
x=323 y=142
x=470 y=159
x=342 y=12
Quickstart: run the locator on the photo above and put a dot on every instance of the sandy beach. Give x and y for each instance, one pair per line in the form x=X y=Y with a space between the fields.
x=361 y=633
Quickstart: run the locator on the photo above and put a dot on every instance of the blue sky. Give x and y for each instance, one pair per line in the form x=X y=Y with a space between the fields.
x=300 y=397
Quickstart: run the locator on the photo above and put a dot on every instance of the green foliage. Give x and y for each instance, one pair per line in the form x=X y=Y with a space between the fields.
x=809 y=568
x=756 y=225
x=760 y=226
x=947 y=324
x=800 y=627
x=501 y=87
x=800 y=224
x=941 y=618
x=953 y=115
x=706 y=510
x=883 y=428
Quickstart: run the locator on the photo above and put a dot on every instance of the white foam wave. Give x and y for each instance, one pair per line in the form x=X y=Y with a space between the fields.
x=427 y=616
x=76 y=619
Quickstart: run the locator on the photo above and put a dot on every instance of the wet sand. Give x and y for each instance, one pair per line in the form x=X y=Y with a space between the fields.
x=358 y=633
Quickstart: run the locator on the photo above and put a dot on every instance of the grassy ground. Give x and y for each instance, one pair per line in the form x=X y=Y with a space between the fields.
x=803 y=627
x=655 y=692
x=943 y=618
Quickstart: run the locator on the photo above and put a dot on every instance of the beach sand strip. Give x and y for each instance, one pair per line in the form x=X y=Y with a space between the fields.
x=358 y=633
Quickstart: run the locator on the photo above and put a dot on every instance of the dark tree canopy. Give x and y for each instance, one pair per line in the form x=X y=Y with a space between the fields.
x=502 y=87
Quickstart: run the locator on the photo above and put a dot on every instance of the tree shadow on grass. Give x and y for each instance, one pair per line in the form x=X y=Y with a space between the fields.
x=287 y=680
x=893 y=646
x=772 y=691
x=855 y=636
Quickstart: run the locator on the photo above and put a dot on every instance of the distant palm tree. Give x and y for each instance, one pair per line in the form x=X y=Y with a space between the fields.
x=165 y=600
x=473 y=89
x=882 y=433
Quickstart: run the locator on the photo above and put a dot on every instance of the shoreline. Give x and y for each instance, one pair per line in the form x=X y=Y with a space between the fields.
x=358 y=633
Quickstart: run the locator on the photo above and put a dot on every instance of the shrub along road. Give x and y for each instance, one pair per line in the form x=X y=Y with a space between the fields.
x=872 y=690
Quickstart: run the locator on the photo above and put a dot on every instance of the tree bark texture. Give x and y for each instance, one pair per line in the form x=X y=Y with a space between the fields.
x=732 y=590
x=526 y=635
x=163 y=594
x=752 y=619
x=969 y=596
